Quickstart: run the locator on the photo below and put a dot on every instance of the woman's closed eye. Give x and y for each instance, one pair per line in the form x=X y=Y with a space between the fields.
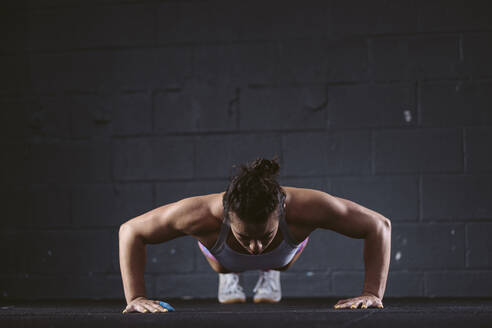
x=265 y=237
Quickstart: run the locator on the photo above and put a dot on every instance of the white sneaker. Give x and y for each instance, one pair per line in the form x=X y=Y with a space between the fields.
x=229 y=289
x=267 y=288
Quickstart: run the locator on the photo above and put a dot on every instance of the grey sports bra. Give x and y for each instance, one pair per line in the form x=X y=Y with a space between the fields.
x=238 y=262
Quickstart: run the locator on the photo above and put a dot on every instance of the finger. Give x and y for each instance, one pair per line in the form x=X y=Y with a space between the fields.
x=371 y=303
x=157 y=308
x=343 y=301
x=129 y=308
x=376 y=304
x=148 y=307
x=355 y=305
x=364 y=304
x=160 y=306
x=167 y=306
x=344 y=305
x=141 y=308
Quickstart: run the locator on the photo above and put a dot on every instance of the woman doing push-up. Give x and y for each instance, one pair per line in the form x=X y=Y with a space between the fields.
x=256 y=224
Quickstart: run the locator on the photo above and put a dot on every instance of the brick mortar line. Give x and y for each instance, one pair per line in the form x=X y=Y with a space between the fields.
x=461 y=57
x=467 y=249
x=235 y=41
x=379 y=82
x=130 y=182
x=114 y=229
x=333 y=130
x=421 y=198
x=460 y=78
x=114 y=3
x=139 y=182
x=425 y=283
x=420 y=271
x=373 y=152
x=157 y=275
x=418 y=101
x=464 y=149
x=440 y=222
x=194 y=164
x=184 y=45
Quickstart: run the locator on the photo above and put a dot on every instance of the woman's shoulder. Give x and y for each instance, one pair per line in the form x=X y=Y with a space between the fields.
x=210 y=219
x=296 y=202
x=206 y=226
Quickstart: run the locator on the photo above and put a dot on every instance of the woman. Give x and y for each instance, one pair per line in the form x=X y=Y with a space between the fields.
x=265 y=227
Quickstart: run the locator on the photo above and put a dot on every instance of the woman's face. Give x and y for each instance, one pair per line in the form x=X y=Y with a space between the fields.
x=254 y=237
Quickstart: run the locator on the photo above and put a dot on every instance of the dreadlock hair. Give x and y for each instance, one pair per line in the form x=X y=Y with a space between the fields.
x=253 y=193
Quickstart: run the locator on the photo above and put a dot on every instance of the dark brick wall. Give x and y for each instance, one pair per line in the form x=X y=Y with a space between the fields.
x=111 y=108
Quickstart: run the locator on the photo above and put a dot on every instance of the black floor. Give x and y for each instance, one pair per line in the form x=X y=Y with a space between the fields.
x=398 y=313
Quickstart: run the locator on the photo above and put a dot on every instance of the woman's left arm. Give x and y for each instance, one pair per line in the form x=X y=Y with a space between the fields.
x=322 y=210
x=377 y=249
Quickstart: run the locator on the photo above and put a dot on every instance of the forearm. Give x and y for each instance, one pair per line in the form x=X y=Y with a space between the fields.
x=377 y=253
x=132 y=256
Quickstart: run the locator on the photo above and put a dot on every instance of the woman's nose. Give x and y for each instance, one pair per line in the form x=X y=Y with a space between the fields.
x=255 y=246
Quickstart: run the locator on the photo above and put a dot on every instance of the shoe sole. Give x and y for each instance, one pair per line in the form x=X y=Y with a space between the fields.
x=233 y=300
x=265 y=300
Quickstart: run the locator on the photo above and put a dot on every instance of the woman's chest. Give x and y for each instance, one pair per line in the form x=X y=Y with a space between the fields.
x=298 y=233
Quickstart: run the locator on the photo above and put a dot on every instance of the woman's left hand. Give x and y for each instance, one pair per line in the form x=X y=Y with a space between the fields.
x=366 y=300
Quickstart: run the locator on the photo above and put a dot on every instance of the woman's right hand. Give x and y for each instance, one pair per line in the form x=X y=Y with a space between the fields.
x=143 y=305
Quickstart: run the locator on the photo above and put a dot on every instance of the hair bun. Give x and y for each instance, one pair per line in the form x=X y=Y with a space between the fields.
x=263 y=167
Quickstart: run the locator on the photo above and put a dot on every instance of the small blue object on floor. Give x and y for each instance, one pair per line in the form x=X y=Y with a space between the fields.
x=166 y=306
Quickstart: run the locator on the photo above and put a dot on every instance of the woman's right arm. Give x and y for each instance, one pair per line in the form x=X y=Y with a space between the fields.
x=156 y=226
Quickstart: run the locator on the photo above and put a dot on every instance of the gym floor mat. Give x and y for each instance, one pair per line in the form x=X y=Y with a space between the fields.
x=316 y=312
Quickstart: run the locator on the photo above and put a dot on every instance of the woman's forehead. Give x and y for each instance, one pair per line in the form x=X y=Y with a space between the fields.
x=234 y=217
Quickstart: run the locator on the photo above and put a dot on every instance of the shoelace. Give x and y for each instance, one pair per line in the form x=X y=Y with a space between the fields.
x=231 y=284
x=265 y=282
